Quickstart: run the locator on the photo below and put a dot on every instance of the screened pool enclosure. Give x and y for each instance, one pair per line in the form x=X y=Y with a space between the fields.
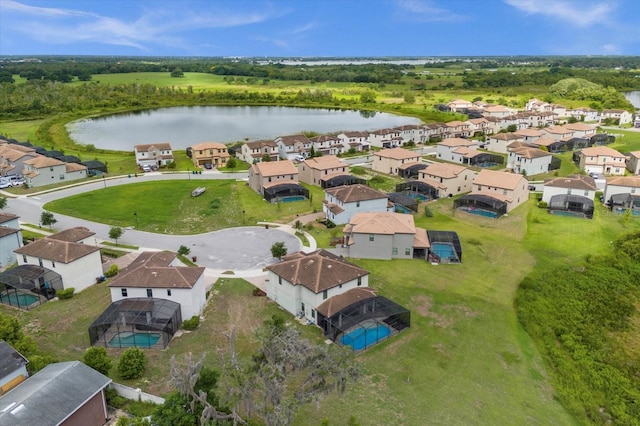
x=28 y=286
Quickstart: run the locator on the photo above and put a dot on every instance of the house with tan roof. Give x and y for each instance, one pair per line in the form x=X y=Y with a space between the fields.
x=584 y=114
x=411 y=133
x=434 y=131
x=479 y=126
x=457 y=129
x=253 y=152
x=10 y=239
x=619 y=116
x=494 y=194
x=456 y=105
x=392 y=160
x=78 y=263
x=384 y=236
x=497 y=111
x=301 y=282
x=529 y=160
x=275 y=179
x=327 y=145
x=12 y=158
x=633 y=162
x=581 y=130
x=385 y=138
x=622 y=193
x=342 y=202
x=153 y=154
x=41 y=170
x=601 y=160
x=317 y=170
x=214 y=153
x=447 y=179
x=359 y=141
x=499 y=142
x=293 y=145
x=161 y=275
x=573 y=193
x=445 y=149
x=558 y=132
x=529 y=134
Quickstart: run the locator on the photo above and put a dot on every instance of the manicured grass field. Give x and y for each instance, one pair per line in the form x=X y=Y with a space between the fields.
x=167 y=206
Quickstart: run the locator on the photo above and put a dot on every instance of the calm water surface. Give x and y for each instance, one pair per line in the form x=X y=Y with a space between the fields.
x=633 y=97
x=185 y=126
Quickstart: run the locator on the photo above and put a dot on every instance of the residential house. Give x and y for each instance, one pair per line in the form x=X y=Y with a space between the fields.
x=558 y=132
x=253 y=152
x=581 y=130
x=78 y=263
x=411 y=133
x=622 y=191
x=385 y=138
x=550 y=144
x=435 y=131
x=293 y=145
x=384 y=236
x=537 y=105
x=633 y=164
x=498 y=111
x=359 y=141
x=158 y=154
x=12 y=158
x=448 y=179
x=529 y=160
x=10 y=239
x=161 y=275
x=479 y=126
x=529 y=134
x=327 y=145
x=41 y=170
x=458 y=129
x=558 y=109
x=209 y=153
x=342 y=202
x=63 y=393
x=456 y=105
x=317 y=170
x=575 y=185
x=268 y=174
x=391 y=160
x=13 y=368
x=508 y=188
x=584 y=114
x=445 y=149
x=619 y=116
x=303 y=281
x=500 y=142
x=602 y=160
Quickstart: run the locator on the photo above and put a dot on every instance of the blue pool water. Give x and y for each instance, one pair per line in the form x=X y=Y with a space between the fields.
x=417 y=196
x=634 y=212
x=444 y=250
x=19 y=299
x=362 y=338
x=292 y=198
x=566 y=213
x=140 y=340
x=481 y=212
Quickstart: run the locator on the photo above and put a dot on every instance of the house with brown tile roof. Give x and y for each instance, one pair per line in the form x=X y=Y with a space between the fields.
x=558 y=132
x=497 y=111
x=12 y=158
x=576 y=185
x=619 y=116
x=385 y=138
x=268 y=175
x=457 y=129
x=77 y=263
x=293 y=145
x=318 y=169
x=447 y=179
x=445 y=148
x=411 y=133
x=213 y=153
x=383 y=236
x=41 y=170
x=153 y=154
x=499 y=142
x=253 y=152
x=79 y=234
x=622 y=192
x=301 y=282
x=327 y=145
x=161 y=275
x=529 y=160
x=633 y=162
x=602 y=160
x=390 y=161
x=495 y=192
x=529 y=134
x=10 y=239
x=479 y=126
x=581 y=130
x=359 y=141
x=459 y=104
x=342 y=202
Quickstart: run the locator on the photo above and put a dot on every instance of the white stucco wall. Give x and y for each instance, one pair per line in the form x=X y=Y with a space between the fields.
x=79 y=274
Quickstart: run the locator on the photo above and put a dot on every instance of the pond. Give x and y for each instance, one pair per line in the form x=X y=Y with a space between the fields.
x=186 y=126
x=633 y=97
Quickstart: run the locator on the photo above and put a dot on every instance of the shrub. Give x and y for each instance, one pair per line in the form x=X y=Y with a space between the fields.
x=65 y=294
x=96 y=358
x=112 y=272
x=132 y=364
x=475 y=242
x=542 y=204
x=330 y=224
x=113 y=399
x=428 y=212
x=191 y=324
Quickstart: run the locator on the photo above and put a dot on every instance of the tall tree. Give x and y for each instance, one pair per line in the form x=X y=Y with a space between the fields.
x=278 y=250
x=115 y=233
x=47 y=219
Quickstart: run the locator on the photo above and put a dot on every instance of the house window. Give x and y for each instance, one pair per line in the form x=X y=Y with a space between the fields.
x=371 y=237
x=504 y=192
x=586 y=193
x=313 y=313
x=168 y=292
x=302 y=309
x=325 y=294
x=40 y=262
x=53 y=263
x=479 y=187
x=633 y=191
x=340 y=286
x=394 y=251
x=357 y=203
x=149 y=292
x=124 y=292
x=280 y=280
x=24 y=258
x=407 y=252
x=568 y=191
x=359 y=281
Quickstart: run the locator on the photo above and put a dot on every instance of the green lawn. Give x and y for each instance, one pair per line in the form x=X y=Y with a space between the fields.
x=167 y=206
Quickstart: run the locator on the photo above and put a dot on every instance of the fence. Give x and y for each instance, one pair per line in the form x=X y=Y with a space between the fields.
x=135 y=394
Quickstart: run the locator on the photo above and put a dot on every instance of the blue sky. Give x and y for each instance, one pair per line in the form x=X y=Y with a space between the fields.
x=319 y=27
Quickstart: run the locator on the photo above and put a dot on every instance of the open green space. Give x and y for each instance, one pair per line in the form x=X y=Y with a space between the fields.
x=168 y=207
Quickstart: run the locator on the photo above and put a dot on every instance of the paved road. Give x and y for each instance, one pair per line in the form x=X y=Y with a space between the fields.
x=239 y=249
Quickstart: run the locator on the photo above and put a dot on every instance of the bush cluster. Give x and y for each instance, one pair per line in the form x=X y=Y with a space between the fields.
x=65 y=294
x=191 y=324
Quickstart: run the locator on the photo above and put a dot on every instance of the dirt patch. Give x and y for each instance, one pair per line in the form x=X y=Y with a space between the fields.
x=422 y=305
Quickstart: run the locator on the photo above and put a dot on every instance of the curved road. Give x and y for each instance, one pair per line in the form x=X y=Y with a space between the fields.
x=244 y=249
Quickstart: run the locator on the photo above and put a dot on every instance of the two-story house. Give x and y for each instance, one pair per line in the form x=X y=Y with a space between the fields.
x=327 y=145
x=500 y=142
x=42 y=170
x=602 y=160
x=391 y=160
x=448 y=179
x=269 y=174
x=385 y=138
x=255 y=151
x=158 y=154
x=529 y=160
x=209 y=154
x=446 y=149
x=359 y=141
x=633 y=162
x=497 y=192
x=292 y=146
x=10 y=239
x=318 y=170
x=342 y=202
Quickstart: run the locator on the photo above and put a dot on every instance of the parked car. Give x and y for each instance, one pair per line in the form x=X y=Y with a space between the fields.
x=146 y=168
x=5 y=183
x=154 y=168
x=299 y=158
x=17 y=182
x=208 y=166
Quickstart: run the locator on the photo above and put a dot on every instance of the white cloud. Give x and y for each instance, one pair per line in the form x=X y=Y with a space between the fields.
x=579 y=13
x=305 y=28
x=425 y=11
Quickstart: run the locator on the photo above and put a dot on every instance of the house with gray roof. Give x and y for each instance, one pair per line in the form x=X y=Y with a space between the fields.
x=13 y=368
x=64 y=393
x=342 y=202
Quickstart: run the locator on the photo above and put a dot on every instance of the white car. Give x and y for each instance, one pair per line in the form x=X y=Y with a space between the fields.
x=5 y=183
x=146 y=168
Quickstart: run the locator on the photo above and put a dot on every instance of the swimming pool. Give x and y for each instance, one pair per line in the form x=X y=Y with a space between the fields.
x=292 y=198
x=19 y=299
x=362 y=338
x=444 y=251
x=566 y=213
x=128 y=339
x=417 y=196
x=634 y=212
x=481 y=212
